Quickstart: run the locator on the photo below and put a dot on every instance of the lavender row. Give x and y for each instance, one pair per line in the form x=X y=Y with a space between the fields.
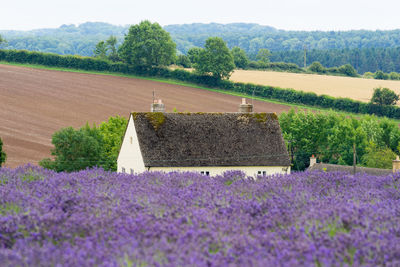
x=101 y=218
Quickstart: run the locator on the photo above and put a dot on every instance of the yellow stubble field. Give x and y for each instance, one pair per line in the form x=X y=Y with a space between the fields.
x=336 y=86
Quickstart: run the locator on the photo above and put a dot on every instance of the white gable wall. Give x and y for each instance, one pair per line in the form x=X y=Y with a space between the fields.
x=130 y=157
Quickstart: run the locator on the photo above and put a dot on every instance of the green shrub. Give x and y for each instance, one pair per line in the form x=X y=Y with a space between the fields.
x=3 y=155
x=380 y=75
x=317 y=67
x=394 y=76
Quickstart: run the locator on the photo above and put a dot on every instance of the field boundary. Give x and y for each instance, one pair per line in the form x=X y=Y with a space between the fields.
x=188 y=84
x=168 y=81
x=265 y=92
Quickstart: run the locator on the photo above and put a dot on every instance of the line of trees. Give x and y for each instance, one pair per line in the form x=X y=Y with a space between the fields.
x=366 y=51
x=366 y=59
x=269 y=92
x=327 y=135
x=252 y=37
x=330 y=137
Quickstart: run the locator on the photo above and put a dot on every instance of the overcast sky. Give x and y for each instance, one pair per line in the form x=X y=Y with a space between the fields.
x=281 y=14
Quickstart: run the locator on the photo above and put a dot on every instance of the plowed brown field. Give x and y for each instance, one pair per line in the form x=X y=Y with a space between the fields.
x=35 y=103
x=336 y=86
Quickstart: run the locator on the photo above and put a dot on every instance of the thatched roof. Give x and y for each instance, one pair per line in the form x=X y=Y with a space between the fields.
x=349 y=169
x=210 y=139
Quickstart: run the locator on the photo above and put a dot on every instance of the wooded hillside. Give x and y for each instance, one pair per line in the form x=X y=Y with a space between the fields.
x=365 y=50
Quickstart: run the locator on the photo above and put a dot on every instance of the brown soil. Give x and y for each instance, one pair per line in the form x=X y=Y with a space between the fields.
x=36 y=103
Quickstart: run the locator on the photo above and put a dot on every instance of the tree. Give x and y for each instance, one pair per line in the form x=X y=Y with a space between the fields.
x=308 y=134
x=348 y=70
x=75 y=150
x=87 y=147
x=317 y=67
x=377 y=157
x=112 y=47
x=240 y=58
x=148 y=44
x=193 y=54
x=380 y=75
x=384 y=96
x=112 y=131
x=263 y=55
x=2 y=41
x=3 y=155
x=343 y=136
x=183 y=61
x=101 y=50
x=215 y=59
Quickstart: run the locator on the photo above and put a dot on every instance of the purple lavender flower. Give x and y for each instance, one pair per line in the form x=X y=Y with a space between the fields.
x=95 y=217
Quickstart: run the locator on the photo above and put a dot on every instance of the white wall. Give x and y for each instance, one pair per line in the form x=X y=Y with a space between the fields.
x=130 y=156
x=249 y=170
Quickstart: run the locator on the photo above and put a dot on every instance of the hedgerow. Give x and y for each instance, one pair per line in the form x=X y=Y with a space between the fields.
x=270 y=92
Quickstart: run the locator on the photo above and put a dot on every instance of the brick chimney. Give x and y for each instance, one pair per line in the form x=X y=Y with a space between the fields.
x=245 y=107
x=157 y=106
x=313 y=160
x=396 y=164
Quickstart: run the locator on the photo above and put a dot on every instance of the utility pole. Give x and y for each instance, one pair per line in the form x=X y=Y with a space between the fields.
x=305 y=56
x=354 y=158
x=252 y=98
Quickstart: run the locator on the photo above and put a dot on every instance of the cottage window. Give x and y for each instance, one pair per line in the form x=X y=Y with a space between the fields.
x=123 y=170
x=259 y=172
x=205 y=173
x=208 y=173
x=264 y=173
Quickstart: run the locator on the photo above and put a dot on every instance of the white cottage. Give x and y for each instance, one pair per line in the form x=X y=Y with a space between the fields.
x=210 y=143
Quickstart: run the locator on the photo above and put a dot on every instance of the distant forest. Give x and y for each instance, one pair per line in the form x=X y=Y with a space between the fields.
x=365 y=50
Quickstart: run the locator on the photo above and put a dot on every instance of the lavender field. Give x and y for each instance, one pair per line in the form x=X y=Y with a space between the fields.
x=97 y=218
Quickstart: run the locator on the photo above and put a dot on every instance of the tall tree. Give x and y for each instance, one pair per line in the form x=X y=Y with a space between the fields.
x=193 y=54
x=215 y=59
x=377 y=157
x=75 y=149
x=240 y=58
x=183 y=61
x=263 y=55
x=112 y=131
x=112 y=48
x=101 y=50
x=3 y=155
x=148 y=44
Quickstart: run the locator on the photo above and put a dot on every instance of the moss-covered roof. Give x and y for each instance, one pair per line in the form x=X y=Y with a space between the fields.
x=210 y=139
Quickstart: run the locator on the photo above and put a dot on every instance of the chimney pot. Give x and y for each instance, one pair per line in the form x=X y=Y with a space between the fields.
x=244 y=107
x=396 y=164
x=313 y=161
x=157 y=106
